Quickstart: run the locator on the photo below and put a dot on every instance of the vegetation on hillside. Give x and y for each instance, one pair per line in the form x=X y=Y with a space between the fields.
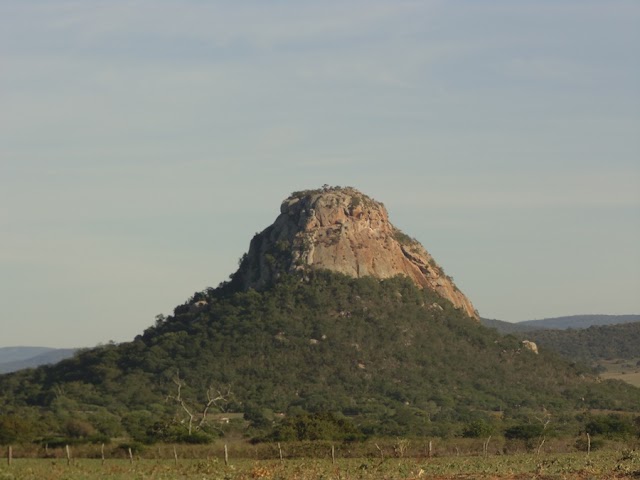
x=578 y=321
x=559 y=323
x=329 y=357
x=504 y=327
x=594 y=343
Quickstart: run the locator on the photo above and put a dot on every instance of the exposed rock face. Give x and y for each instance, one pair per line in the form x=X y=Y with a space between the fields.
x=529 y=345
x=342 y=230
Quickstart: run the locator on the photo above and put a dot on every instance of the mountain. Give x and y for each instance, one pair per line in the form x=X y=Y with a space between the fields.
x=578 y=321
x=619 y=341
x=614 y=349
x=559 y=323
x=502 y=326
x=345 y=231
x=301 y=332
x=17 y=358
x=14 y=354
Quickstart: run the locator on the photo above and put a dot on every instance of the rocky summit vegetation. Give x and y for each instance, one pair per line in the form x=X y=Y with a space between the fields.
x=345 y=231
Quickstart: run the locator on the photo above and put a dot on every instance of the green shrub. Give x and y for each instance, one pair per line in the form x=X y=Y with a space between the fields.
x=524 y=431
x=15 y=429
x=477 y=429
x=317 y=426
x=136 y=447
x=582 y=444
x=196 y=438
x=610 y=426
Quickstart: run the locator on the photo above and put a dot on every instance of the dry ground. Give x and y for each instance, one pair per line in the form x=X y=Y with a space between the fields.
x=625 y=370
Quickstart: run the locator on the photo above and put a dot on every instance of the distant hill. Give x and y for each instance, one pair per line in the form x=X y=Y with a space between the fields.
x=592 y=344
x=559 y=323
x=13 y=354
x=17 y=358
x=578 y=321
x=503 y=327
x=610 y=346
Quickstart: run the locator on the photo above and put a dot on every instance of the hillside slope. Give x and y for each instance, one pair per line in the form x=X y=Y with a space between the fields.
x=503 y=327
x=392 y=355
x=15 y=354
x=578 y=321
x=26 y=357
x=384 y=353
x=559 y=323
x=621 y=341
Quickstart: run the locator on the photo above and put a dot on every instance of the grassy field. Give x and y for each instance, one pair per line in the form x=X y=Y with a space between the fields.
x=599 y=465
x=625 y=370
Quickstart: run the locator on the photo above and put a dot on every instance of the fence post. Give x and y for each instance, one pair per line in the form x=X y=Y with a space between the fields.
x=226 y=455
x=485 y=447
x=9 y=455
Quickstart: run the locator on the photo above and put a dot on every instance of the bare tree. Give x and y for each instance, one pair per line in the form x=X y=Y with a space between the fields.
x=544 y=419
x=197 y=418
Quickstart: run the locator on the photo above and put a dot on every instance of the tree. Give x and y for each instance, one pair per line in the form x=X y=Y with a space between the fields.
x=196 y=420
x=526 y=431
x=13 y=428
x=610 y=426
x=478 y=429
x=317 y=426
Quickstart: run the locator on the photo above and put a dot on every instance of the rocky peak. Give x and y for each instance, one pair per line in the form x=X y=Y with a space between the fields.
x=342 y=230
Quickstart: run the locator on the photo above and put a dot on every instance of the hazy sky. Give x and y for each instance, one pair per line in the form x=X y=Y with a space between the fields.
x=143 y=143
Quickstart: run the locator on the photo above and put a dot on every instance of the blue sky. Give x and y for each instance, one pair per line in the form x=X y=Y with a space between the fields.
x=143 y=144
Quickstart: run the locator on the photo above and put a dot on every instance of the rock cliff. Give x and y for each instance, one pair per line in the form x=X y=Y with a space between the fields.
x=342 y=230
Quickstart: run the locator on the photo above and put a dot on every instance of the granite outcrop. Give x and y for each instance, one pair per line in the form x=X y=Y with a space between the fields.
x=342 y=230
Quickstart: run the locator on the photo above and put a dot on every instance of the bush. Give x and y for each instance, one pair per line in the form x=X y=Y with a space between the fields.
x=15 y=429
x=141 y=425
x=477 y=429
x=196 y=438
x=59 y=442
x=317 y=426
x=75 y=428
x=610 y=426
x=106 y=423
x=582 y=444
x=136 y=447
x=524 y=431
